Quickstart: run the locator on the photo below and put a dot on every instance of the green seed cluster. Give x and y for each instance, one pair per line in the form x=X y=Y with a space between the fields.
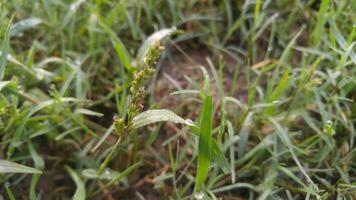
x=137 y=88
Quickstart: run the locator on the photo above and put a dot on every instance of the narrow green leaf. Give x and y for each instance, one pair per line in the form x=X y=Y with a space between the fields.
x=12 y=167
x=9 y=192
x=291 y=175
x=4 y=51
x=120 y=48
x=71 y=12
x=321 y=21
x=205 y=143
x=39 y=164
x=80 y=191
x=103 y=138
x=219 y=157
x=122 y=52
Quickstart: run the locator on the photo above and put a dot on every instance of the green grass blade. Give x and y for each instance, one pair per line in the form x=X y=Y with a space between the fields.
x=80 y=191
x=19 y=27
x=155 y=115
x=205 y=143
x=9 y=192
x=219 y=157
x=12 y=167
x=39 y=164
x=320 y=21
x=120 y=48
x=4 y=51
x=3 y=84
x=157 y=36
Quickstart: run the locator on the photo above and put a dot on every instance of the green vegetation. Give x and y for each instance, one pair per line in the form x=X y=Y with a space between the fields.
x=175 y=99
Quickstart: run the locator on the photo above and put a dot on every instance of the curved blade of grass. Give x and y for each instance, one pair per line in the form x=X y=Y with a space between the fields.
x=80 y=191
x=157 y=36
x=155 y=115
x=12 y=167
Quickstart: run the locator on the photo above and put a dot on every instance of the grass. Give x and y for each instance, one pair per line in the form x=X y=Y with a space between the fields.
x=106 y=100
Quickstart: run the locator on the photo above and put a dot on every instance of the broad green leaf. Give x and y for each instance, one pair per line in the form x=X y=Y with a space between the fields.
x=157 y=36
x=205 y=143
x=80 y=191
x=156 y=115
x=12 y=167
x=20 y=26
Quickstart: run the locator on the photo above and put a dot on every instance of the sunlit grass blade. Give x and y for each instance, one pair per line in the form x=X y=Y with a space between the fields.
x=155 y=115
x=157 y=36
x=12 y=167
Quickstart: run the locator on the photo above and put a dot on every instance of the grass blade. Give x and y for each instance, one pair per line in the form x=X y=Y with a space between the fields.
x=39 y=163
x=80 y=191
x=153 y=116
x=3 y=84
x=4 y=51
x=205 y=143
x=19 y=27
x=157 y=36
x=12 y=167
